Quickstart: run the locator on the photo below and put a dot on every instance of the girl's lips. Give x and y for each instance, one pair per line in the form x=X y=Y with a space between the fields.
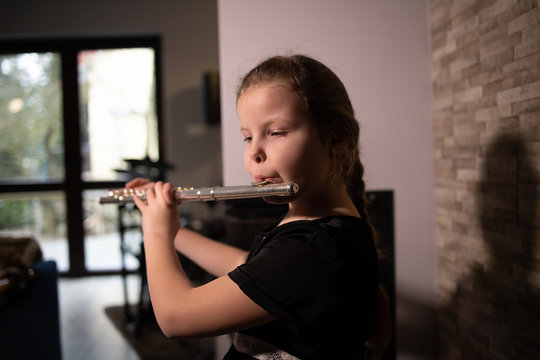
x=261 y=179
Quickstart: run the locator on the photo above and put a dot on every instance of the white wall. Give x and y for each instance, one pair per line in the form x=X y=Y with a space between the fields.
x=380 y=50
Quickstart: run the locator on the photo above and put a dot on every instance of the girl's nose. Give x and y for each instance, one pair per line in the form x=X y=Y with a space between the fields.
x=257 y=154
x=259 y=159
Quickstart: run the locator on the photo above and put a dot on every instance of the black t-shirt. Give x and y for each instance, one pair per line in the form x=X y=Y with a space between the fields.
x=319 y=278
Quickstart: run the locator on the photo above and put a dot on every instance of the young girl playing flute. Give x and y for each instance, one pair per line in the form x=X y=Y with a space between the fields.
x=308 y=288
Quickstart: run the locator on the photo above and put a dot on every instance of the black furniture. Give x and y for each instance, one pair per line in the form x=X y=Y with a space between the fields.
x=30 y=323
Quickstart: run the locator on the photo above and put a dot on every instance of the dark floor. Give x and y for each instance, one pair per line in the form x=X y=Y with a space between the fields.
x=86 y=332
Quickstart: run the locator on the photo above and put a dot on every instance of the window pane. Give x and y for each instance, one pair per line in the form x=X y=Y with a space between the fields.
x=102 y=238
x=31 y=143
x=118 y=117
x=40 y=215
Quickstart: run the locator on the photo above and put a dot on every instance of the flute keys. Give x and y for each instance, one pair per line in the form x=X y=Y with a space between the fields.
x=122 y=194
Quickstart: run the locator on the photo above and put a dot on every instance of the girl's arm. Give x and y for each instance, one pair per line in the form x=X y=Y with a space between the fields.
x=181 y=309
x=213 y=256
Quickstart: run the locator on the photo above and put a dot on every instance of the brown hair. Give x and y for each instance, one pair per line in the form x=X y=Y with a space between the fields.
x=326 y=102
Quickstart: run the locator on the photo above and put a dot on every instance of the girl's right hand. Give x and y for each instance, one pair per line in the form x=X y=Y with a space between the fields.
x=160 y=220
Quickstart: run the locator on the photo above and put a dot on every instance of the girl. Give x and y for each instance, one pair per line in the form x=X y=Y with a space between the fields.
x=308 y=289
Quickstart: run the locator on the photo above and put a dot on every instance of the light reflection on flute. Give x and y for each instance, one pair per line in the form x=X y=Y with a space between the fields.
x=182 y=194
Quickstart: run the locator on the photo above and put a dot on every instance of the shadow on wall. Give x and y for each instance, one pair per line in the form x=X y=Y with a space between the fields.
x=495 y=310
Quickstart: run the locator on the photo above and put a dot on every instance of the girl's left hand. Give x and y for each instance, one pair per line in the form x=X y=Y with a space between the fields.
x=159 y=212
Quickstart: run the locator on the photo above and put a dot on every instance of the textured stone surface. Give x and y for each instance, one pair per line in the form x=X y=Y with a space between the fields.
x=486 y=126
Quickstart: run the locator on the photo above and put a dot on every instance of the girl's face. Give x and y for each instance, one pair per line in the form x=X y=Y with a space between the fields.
x=281 y=142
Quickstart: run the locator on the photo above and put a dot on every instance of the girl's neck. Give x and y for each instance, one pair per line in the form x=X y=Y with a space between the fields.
x=331 y=201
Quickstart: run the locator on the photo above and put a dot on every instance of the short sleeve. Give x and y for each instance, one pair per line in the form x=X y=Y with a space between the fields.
x=295 y=275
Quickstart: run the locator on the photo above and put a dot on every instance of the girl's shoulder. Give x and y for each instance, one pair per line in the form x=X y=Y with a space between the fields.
x=329 y=223
x=326 y=228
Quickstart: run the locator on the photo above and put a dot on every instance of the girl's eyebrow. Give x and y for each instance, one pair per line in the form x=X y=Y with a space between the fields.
x=272 y=121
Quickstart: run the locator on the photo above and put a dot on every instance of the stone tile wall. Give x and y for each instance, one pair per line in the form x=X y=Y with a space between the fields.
x=486 y=123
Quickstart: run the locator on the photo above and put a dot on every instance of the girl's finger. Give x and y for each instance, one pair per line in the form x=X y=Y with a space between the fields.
x=150 y=192
x=158 y=188
x=168 y=193
x=138 y=202
x=137 y=182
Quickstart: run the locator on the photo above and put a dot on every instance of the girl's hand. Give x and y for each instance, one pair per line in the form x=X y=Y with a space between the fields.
x=159 y=211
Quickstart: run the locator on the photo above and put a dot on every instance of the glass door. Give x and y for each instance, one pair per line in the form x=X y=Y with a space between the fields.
x=118 y=121
x=32 y=151
x=71 y=112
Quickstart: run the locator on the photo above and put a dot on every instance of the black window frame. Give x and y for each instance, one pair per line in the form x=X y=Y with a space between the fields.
x=73 y=185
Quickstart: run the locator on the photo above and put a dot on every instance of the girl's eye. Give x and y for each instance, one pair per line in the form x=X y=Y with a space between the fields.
x=247 y=139
x=278 y=133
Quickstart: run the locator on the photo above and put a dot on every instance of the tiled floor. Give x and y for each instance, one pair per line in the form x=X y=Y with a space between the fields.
x=86 y=332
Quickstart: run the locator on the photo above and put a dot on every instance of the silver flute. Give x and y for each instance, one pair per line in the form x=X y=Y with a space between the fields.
x=182 y=194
